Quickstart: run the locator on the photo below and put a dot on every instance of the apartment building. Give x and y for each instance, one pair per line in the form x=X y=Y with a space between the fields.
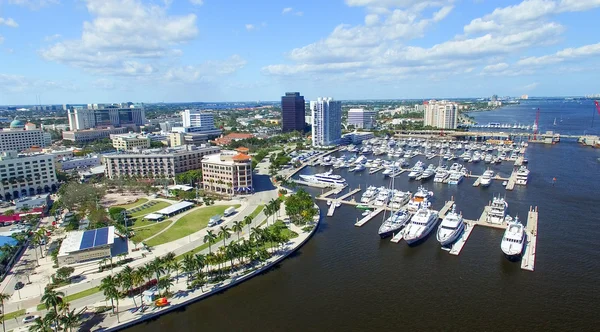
x=156 y=163
x=228 y=172
x=19 y=137
x=130 y=141
x=441 y=114
x=26 y=175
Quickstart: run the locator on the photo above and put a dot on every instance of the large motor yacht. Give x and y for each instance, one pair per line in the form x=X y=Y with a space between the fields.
x=451 y=228
x=486 y=178
x=497 y=211
x=420 y=225
x=522 y=175
x=513 y=239
x=419 y=200
x=325 y=178
x=369 y=194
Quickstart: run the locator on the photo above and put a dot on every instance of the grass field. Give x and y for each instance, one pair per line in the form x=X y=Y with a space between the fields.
x=257 y=211
x=139 y=201
x=11 y=315
x=143 y=233
x=158 y=206
x=189 y=224
x=75 y=296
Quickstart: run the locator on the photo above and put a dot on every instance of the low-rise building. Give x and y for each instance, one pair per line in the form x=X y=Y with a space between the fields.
x=130 y=141
x=83 y=246
x=156 y=163
x=66 y=164
x=26 y=175
x=228 y=172
x=227 y=139
x=92 y=134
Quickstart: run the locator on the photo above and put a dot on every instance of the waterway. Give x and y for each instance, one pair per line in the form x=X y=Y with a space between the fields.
x=346 y=278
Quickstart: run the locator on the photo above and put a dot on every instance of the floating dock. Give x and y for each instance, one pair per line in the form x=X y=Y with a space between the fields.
x=528 y=260
x=398 y=237
x=511 y=181
x=445 y=209
x=477 y=182
x=399 y=172
x=333 y=191
x=460 y=243
x=368 y=217
x=375 y=170
x=331 y=209
x=352 y=192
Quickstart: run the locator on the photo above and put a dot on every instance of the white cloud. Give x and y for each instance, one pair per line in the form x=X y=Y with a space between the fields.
x=495 y=68
x=9 y=22
x=20 y=84
x=531 y=86
x=250 y=27
x=567 y=54
x=207 y=71
x=125 y=37
x=197 y=2
x=291 y=11
x=52 y=37
x=33 y=4
x=104 y=84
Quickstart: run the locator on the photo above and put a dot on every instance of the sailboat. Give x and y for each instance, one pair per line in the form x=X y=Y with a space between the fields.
x=397 y=219
x=555 y=121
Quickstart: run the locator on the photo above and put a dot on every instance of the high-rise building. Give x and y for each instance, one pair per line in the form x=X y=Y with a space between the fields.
x=21 y=137
x=98 y=115
x=292 y=112
x=441 y=114
x=327 y=121
x=228 y=172
x=26 y=175
x=359 y=118
x=198 y=119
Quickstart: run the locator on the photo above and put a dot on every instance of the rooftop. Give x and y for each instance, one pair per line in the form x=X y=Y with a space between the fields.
x=159 y=151
x=175 y=207
x=85 y=240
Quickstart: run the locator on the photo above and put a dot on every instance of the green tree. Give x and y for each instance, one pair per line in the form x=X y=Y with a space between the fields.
x=64 y=273
x=110 y=288
x=238 y=227
x=41 y=325
x=70 y=320
x=126 y=279
x=248 y=222
x=189 y=266
x=3 y=298
x=224 y=233
x=52 y=299
x=165 y=283
x=210 y=237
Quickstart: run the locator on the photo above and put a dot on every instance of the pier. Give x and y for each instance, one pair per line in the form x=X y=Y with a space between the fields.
x=398 y=173
x=445 y=209
x=368 y=217
x=398 y=237
x=334 y=191
x=352 y=192
x=511 y=181
x=331 y=209
x=528 y=260
x=375 y=170
x=460 y=243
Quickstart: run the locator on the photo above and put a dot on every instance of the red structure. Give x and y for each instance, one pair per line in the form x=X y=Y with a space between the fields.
x=537 y=124
x=597 y=106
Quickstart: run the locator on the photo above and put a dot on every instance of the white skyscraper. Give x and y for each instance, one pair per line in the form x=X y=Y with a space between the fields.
x=441 y=114
x=198 y=119
x=326 y=121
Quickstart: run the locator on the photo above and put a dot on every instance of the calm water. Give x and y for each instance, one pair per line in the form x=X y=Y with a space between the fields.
x=346 y=278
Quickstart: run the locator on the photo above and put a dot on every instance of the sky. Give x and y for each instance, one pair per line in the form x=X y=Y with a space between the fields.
x=97 y=51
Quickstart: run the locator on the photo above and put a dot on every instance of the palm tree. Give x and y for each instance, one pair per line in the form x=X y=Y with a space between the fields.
x=3 y=297
x=248 y=222
x=52 y=298
x=237 y=227
x=69 y=320
x=168 y=261
x=200 y=261
x=224 y=233
x=9 y=213
x=176 y=266
x=189 y=266
x=268 y=211
x=256 y=234
x=165 y=283
x=40 y=325
x=138 y=278
x=126 y=280
x=109 y=285
x=210 y=237
x=157 y=267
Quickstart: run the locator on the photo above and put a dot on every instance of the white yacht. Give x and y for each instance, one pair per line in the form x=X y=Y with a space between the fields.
x=358 y=168
x=476 y=157
x=522 y=175
x=394 y=223
x=399 y=199
x=415 y=172
x=428 y=173
x=497 y=211
x=391 y=170
x=420 y=225
x=420 y=199
x=369 y=194
x=451 y=228
x=486 y=178
x=488 y=158
x=441 y=175
x=383 y=197
x=513 y=240
x=455 y=177
x=325 y=178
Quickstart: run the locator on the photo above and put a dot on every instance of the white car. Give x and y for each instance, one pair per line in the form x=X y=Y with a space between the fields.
x=30 y=318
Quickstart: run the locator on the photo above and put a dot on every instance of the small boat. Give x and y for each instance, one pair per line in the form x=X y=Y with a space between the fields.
x=328 y=203
x=338 y=204
x=364 y=207
x=504 y=183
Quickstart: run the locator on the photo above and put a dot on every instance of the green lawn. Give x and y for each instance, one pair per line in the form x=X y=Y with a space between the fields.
x=189 y=224
x=14 y=314
x=139 y=201
x=73 y=297
x=257 y=211
x=143 y=233
x=158 y=206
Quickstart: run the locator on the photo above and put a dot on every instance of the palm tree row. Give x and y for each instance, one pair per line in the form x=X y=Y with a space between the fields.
x=59 y=315
x=165 y=271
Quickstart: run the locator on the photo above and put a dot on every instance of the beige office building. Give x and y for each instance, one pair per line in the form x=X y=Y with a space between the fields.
x=441 y=114
x=228 y=172
x=26 y=175
x=130 y=141
x=156 y=163
x=22 y=136
x=92 y=134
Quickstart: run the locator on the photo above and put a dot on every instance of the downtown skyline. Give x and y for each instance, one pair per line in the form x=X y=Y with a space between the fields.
x=68 y=51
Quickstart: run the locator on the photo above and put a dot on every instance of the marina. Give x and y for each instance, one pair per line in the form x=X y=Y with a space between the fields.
x=368 y=217
x=528 y=260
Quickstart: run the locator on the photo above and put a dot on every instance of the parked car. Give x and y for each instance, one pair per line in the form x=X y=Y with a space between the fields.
x=77 y=278
x=30 y=318
x=19 y=285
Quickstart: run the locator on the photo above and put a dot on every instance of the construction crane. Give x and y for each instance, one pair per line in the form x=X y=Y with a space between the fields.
x=536 y=125
x=598 y=108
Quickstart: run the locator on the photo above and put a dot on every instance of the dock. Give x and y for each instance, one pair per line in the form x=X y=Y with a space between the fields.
x=528 y=260
x=511 y=181
x=334 y=191
x=460 y=243
x=477 y=182
x=429 y=158
x=375 y=170
x=519 y=161
x=398 y=173
x=368 y=217
x=398 y=237
x=352 y=192
x=331 y=209
x=445 y=209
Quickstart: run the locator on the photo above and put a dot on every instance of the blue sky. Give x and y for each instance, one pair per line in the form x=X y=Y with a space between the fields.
x=85 y=51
